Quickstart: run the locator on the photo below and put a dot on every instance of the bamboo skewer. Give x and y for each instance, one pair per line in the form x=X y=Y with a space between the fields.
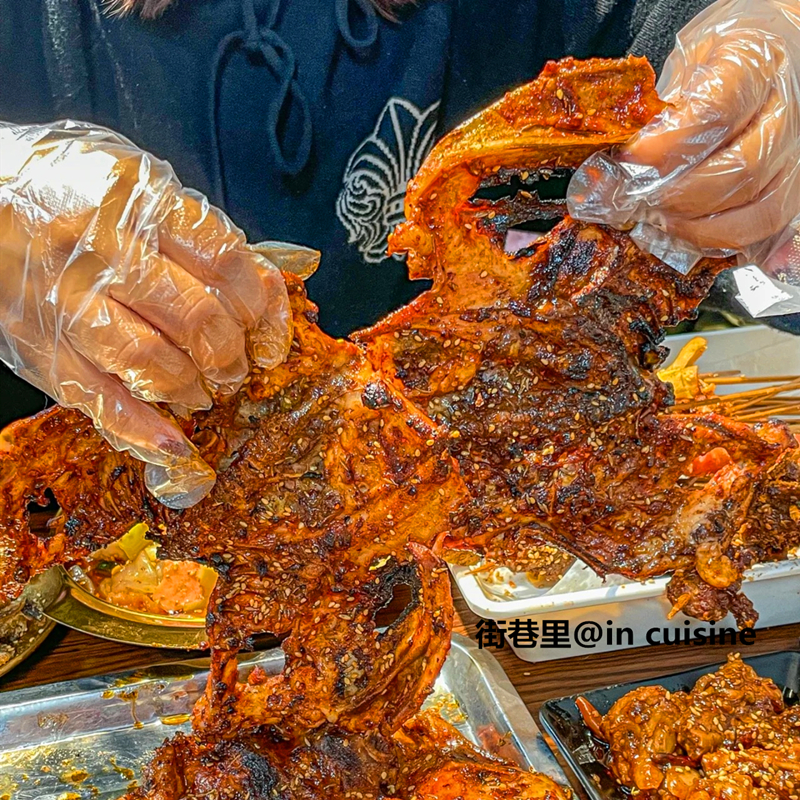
x=774 y=395
x=782 y=399
x=755 y=416
x=728 y=380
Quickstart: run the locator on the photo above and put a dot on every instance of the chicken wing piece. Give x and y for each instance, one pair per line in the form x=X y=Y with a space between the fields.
x=641 y=730
x=726 y=708
x=340 y=669
x=541 y=362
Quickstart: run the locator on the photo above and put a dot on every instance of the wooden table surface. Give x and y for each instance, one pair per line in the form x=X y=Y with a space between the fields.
x=67 y=654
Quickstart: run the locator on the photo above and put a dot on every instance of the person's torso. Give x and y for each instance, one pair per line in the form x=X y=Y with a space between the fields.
x=303 y=119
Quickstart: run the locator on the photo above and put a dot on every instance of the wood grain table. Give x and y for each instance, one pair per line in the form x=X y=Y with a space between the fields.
x=67 y=654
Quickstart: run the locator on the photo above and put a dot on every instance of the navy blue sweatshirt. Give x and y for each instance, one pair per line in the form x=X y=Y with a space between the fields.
x=303 y=119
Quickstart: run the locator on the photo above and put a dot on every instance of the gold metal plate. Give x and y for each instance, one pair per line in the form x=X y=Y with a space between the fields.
x=37 y=630
x=64 y=601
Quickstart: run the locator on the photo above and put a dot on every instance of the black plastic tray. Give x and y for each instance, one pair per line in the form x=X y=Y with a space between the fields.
x=563 y=721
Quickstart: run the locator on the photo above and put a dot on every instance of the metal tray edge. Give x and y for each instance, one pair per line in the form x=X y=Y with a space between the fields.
x=526 y=731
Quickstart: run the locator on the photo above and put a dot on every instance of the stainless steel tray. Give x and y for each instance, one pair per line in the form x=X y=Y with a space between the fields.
x=89 y=738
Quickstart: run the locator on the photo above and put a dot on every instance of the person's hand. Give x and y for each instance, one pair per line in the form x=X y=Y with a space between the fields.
x=119 y=289
x=718 y=172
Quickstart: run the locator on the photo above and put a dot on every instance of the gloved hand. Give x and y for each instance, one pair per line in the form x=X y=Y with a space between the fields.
x=718 y=172
x=119 y=288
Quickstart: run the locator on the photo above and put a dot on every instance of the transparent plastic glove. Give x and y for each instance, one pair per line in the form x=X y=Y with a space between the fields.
x=718 y=172
x=119 y=289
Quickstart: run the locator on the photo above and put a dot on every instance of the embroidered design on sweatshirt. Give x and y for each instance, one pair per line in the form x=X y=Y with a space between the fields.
x=370 y=204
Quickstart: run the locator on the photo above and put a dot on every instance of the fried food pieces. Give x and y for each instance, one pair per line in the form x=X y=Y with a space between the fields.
x=730 y=736
x=541 y=363
x=323 y=471
x=652 y=714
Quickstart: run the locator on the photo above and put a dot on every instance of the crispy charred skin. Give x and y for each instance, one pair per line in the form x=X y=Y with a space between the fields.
x=426 y=759
x=188 y=767
x=59 y=450
x=327 y=765
x=323 y=470
x=324 y=725
x=541 y=363
x=340 y=669
x=729 y=737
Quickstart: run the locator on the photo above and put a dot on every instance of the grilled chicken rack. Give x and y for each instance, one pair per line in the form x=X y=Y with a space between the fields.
x=512 y=407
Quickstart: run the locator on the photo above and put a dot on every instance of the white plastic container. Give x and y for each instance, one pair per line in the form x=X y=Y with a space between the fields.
x=642 y=607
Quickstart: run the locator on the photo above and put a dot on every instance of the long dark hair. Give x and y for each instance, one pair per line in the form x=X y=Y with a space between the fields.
x=150 y=9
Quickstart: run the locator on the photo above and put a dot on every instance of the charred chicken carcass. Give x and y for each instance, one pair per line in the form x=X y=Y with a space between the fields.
x=343 y=717
x=324 y=471
x=425 y=760
x=330 y=484
x=541 y=363
x=514 y=403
